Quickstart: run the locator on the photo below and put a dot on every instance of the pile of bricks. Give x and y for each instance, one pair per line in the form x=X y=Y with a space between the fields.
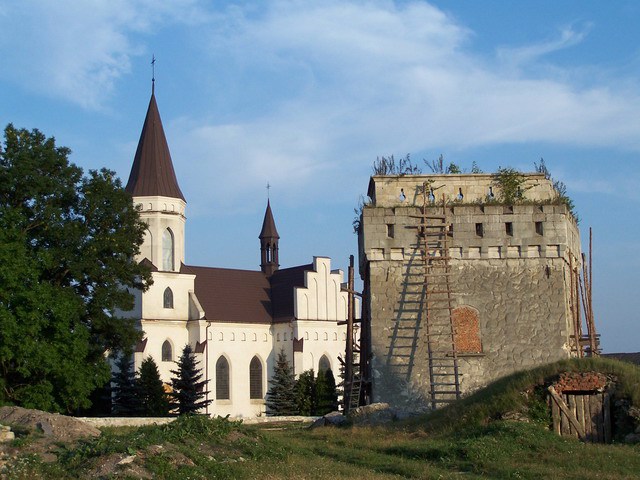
x=581 y=382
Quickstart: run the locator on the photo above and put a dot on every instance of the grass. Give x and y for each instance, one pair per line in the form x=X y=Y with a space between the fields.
x=466 y=440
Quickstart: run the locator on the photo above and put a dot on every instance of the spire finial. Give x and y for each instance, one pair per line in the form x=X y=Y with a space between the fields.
x=268 y=188
x=153 y=73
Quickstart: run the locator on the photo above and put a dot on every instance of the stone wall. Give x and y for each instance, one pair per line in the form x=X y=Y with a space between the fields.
x=510 y=266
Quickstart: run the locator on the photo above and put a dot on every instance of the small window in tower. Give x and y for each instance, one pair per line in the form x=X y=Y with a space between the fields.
x=168 y=298
x=390 y=230
x=539 y=228
x=508 y=227
x=402 y=196
x=460 y=196
x=479 y=229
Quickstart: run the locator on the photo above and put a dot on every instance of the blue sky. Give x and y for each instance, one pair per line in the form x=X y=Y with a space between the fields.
x=306 y=94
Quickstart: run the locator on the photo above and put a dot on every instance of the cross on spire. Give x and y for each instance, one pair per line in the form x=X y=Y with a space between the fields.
x=268 y=188
x=153 y=73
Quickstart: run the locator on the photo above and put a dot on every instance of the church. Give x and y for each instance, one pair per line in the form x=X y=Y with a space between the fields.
x=237 y=321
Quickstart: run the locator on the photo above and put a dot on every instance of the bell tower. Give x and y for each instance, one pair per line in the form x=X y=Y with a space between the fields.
x=155 y=190
x=269 y=243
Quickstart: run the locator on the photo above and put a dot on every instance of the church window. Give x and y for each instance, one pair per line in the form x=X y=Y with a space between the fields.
x=335 y=336
x=466 y=324
x=326 y=336
x=168 y=298
x=167 y=250
x=255 y=337
x=167 y=351
x=222 y=379
x=221 y=336
x=244 y=337
x=316 y=336
x=324 y=364
x=255 y=379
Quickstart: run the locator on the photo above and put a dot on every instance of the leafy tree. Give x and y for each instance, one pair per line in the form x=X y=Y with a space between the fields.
x=152 y=397
x=126 y=402
x=326 y=393
x=305 y=393
x=280 y=397
x=188 y=387
x=67 y=244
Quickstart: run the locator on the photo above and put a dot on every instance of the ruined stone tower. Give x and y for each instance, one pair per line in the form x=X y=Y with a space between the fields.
x=463 y=289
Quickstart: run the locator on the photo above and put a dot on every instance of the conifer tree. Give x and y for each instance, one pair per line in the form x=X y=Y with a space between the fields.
x=305 y=393
x=326 y=393
x=125 y=393
x=152 y=397
x=188 y=387
x=281 y=397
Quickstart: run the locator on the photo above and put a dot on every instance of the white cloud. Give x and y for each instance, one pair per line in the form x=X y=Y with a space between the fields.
x=369 y=78
x=569 y=37
x=77 y=50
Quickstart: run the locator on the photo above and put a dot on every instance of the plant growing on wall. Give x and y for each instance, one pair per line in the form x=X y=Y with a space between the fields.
x=281 y=395
x=438 y=166
x=510 y=183
x=189 y=393
x=152 y=397
x=558 y=186
x=389 y=166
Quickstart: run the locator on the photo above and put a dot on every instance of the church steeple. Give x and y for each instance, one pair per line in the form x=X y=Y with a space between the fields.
x=269 y=243
x=152 y=172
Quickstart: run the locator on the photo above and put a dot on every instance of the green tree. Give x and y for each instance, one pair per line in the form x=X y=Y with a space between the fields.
x=152 y=397
x=510 y=183
x=281 y=397
x=67 y=244
x=188 y=387
x=326 y=393
x=126 y=401
x=305 y=393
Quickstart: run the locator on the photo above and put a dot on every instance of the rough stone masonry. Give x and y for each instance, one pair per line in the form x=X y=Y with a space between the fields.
x=513 y=277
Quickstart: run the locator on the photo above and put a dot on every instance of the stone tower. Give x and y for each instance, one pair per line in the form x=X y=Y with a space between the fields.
x=269 y=239
x=510 y=290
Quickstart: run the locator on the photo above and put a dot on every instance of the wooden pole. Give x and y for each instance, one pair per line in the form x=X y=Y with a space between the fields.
x=348 y=367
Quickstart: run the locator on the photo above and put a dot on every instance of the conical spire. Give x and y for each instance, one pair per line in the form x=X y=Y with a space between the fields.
x=269 y=243
x=152 y=172
x=268 y=225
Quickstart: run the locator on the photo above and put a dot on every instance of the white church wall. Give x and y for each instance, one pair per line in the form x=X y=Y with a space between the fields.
x=160 y=213
x=320 y=338
x=321 y=298
x=157 y=332
x=153 y=300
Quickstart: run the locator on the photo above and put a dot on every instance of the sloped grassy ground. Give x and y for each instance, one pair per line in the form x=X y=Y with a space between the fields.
x=465 y=440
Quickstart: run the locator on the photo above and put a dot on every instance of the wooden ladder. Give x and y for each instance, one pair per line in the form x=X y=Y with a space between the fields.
x=439 y=329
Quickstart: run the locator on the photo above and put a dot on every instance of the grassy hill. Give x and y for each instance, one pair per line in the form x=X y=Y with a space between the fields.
x=469 y=439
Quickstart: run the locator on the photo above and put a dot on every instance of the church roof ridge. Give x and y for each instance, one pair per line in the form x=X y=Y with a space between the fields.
x=152 y=173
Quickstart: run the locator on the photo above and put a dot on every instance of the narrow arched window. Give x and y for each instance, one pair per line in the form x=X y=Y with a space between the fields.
x=168 y=298
x=255 y=379
x=167 y=352
x=324 y=364
x=222 y=379
x=167 y=250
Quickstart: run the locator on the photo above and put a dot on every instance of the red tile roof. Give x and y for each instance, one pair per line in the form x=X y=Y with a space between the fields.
x=152 y=172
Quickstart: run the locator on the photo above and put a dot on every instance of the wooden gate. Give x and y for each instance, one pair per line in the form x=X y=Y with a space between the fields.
x=586 y=415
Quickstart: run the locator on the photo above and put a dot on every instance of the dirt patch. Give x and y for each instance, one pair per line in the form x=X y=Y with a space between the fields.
x=57 y=427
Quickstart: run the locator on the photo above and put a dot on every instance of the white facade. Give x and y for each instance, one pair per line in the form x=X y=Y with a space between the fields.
x=319 y=305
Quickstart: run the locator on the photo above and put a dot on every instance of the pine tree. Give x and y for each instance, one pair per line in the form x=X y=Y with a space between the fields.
x=305 y=393
x=125 y=393
x=188 y=387
x=281 y=396
x=326 y=393
x=153 y=399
